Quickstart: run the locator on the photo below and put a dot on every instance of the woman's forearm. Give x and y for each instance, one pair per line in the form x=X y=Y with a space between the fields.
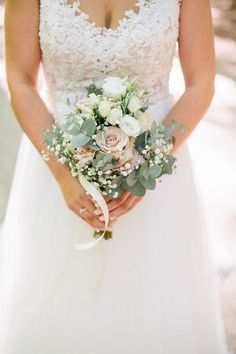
x=33 y=116
x=189 y=110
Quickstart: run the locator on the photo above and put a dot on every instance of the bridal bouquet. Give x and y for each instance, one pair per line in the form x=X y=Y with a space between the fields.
x=111 y=142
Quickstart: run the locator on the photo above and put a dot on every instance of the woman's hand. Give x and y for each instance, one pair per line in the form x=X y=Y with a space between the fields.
x=121 y=206
x=76 y=199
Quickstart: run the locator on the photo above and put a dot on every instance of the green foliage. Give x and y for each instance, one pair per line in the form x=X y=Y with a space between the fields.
x=143 y=109
x=94 y=89
x=92 y=146
x=167 y=167
x=71 y=124
x=137 y=189
x=79 y=140
x=148 y=183
x=155 y=171
x=49 y=136
x=88 y=127
x=142 y=140
x=101 y=160
x=132 y=178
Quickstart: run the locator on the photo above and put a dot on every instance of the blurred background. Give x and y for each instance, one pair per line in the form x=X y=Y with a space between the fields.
x=212 y=145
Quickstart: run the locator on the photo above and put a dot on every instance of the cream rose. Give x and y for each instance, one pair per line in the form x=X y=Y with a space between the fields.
x=104 y=108
x=134 y=104
x=130 y=125
x=145 y=121
x=112 y=139
x=115 y=116
x=114 y=87
x=126 y=154
x=93 y=98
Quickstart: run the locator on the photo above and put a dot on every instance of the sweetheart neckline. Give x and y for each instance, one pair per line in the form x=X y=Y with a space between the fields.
x=128 y=15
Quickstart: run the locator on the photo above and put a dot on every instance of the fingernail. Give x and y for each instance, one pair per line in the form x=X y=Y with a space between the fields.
x=101 y=218
x=97 y=212
x=96 y=205
x=113 y=218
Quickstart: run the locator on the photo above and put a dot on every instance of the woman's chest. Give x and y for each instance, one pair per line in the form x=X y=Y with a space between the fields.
x=142 y=41
x=64 y=32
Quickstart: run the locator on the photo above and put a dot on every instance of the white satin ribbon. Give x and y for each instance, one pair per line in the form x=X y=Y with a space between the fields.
x=94 y=192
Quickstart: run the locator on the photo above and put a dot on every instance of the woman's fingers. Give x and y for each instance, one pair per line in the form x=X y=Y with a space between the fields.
x=90 y=219
x=128 y=205
x=87 y=203
x=113 y=204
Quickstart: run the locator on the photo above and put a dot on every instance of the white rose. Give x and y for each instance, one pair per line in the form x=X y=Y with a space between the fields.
x=134 y=104
x=114 y=87
x=104 y=108
x=130 y=125
x=94 y=98
x=115 y=116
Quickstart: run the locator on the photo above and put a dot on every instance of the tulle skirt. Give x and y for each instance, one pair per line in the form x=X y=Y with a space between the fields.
x=151 y=289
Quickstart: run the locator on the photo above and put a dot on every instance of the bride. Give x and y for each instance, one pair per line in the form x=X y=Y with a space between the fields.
x=152 y=288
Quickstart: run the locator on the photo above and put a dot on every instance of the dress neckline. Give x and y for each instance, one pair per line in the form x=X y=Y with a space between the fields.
x=128 y=15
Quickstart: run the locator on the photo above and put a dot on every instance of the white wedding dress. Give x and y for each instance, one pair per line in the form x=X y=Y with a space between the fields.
x=152 y=288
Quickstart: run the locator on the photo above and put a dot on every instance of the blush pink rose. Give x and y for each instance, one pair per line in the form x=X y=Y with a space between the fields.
x=112 y=140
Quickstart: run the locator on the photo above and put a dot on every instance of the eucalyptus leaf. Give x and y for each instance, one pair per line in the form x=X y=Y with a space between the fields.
x=102 y=160
x=92 y=146
x=131 y=179
x=149 y=183
x=88 y=127
x=71 y=128
x=168 y=166
x=145 y=173
x=137 y=189
x=118 y=192
x=143 y=167
x=155 y=171
x=142 y=140
x=79 y=140
x=48 y=137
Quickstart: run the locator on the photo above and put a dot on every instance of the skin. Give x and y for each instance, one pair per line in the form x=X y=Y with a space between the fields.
x=23 y=56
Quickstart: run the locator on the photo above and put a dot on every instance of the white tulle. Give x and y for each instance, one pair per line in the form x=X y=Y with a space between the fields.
x=152 y=288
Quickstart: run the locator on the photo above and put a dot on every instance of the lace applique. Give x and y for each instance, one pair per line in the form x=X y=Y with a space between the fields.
x=76 y=52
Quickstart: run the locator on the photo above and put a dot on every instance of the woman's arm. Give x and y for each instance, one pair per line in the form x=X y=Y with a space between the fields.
x=23 y=57
x=197 y=58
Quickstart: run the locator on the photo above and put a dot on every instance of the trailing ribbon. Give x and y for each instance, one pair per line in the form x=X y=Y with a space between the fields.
x=92 y=190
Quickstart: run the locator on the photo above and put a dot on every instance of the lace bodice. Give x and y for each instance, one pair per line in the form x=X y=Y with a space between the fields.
x=77 y=53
